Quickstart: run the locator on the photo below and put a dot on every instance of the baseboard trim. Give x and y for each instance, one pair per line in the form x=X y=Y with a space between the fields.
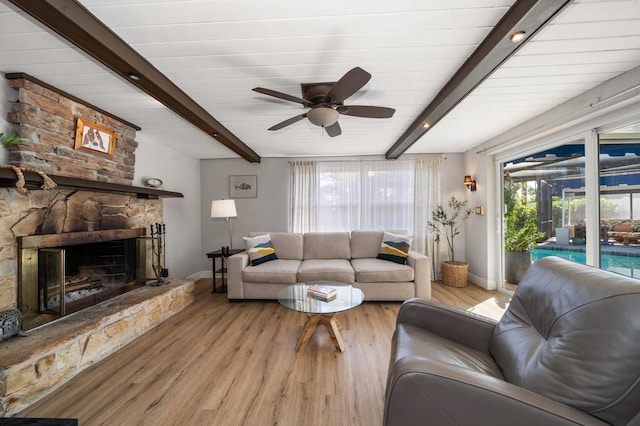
x=481 y=282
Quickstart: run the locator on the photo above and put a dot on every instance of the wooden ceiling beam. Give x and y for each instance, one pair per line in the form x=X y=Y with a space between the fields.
x=525 y=15
x=75 y=23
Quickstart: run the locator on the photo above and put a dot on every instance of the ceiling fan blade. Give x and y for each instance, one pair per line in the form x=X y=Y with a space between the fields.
x=334 y=130
x=366 y=111
x=349 y=84
x=281 y=95
x=291 y=120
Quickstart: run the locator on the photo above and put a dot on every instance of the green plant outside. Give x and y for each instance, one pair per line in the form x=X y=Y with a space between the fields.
x=576 y=209
x=448 y=222
x=521 y=231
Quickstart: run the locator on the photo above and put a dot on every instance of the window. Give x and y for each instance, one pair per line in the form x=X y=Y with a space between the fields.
x=365 y=195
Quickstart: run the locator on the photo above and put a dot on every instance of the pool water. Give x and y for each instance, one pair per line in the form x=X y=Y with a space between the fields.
x=624 y=265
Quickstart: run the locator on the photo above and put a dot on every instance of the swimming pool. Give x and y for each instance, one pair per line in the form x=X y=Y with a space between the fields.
x=624 y=265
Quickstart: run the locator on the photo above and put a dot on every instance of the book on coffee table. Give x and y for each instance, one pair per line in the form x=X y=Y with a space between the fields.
x=322 y=292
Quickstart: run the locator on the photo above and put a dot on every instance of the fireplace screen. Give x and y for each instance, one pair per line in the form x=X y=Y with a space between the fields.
x=81 y=270
x=75 y=277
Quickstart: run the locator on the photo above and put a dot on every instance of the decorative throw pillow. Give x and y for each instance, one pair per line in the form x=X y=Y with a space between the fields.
x=395 y=248
x=260 y=249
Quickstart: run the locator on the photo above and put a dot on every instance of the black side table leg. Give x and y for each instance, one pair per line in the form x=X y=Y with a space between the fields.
x=214 y=275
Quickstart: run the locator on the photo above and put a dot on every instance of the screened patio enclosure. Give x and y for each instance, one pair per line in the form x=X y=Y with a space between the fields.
x=552 y=182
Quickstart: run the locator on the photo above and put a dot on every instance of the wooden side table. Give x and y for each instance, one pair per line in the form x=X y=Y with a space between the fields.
x=217 y=254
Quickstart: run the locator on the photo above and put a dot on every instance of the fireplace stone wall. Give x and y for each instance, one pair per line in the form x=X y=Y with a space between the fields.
x=50 y=355
x=47 y=120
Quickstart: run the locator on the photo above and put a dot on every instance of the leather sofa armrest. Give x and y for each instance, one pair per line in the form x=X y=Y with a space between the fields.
x=421 y=265
x=422 y=391
x=235 y=266
x=455 y=324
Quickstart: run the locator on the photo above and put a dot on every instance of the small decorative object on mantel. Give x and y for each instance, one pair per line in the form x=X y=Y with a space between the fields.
x=243 y=186
x=153 y=183
x=95 y=138
x=448 y=222
x=47 y=183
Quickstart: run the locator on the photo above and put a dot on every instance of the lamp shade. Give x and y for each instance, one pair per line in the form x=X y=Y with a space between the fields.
x=467 y=180
x=223 y=208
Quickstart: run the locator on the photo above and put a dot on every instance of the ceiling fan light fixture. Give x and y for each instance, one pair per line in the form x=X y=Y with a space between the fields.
x=323 y=116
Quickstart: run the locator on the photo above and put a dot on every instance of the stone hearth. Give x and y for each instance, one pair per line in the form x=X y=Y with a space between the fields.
x=33 y=366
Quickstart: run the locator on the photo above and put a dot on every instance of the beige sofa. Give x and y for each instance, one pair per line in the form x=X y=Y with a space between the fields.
x=336 y=256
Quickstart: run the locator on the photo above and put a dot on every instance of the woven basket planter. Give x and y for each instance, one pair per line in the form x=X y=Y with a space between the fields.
x=454 y=274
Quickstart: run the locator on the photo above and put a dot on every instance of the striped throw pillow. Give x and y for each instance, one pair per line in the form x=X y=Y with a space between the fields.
x=395 y=248
x=260 y=249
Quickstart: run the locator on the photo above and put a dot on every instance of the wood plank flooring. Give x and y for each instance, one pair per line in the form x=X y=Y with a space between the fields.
x=220 y=363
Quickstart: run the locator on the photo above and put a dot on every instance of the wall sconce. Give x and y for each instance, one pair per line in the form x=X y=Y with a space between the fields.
x=471 y=184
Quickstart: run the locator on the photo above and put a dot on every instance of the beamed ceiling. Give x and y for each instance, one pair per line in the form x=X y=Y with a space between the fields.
x=446 y=63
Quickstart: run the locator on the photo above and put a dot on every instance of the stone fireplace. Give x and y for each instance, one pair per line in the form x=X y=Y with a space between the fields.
x=78 y=253
x=41 y=228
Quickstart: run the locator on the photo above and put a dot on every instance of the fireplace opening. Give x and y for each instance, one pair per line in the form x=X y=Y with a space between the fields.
x=65 y=273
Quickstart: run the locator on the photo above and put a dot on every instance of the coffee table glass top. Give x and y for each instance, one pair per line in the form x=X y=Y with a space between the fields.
x=295 y=298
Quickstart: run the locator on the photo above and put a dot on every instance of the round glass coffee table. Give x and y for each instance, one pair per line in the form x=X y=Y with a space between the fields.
x=319 y=312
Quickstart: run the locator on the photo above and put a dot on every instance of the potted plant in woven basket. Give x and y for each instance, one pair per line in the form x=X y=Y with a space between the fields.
x=447 y=222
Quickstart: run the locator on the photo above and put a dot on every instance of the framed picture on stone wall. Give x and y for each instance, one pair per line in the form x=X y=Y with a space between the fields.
x=95 y=138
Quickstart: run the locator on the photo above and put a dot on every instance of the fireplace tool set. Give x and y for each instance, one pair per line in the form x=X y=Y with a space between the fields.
x=158 y=232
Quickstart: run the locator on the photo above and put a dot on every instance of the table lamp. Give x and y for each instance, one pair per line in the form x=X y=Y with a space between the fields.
x=227 y=210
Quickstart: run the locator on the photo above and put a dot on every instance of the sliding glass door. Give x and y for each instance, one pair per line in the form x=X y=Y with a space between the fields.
x=543 y=208
x=579 y=200
x=619 y=164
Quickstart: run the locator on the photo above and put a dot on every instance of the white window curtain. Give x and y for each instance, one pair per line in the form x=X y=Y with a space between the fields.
x=339 y=196
x=428 y=194
x=365 y=195
x=350 y=195
x=302 y=196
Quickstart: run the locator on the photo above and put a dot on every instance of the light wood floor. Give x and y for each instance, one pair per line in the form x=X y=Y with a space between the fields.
x=220 y=363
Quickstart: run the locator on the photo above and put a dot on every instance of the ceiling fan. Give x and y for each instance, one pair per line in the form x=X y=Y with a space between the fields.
x=326 y=102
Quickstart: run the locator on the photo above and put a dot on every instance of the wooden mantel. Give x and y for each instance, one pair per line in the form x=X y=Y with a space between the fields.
x=33 y=181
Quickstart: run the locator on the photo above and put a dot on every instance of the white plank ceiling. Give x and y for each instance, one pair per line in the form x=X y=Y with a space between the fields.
x=218 y=50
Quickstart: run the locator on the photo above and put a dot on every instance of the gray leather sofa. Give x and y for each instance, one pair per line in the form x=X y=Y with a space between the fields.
x=566 y=352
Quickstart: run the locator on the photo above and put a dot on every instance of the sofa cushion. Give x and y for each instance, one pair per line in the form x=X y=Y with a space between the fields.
x=288 y=245
x=566 y=336
x=279 y=271
x=339 y=270
x=379 y=271
x=395 y=248
x=260 y=249
x=326 y=245
x=367 y=243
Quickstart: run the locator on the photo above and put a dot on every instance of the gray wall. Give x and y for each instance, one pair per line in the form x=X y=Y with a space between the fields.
x=179 y=173
x=269 y=211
